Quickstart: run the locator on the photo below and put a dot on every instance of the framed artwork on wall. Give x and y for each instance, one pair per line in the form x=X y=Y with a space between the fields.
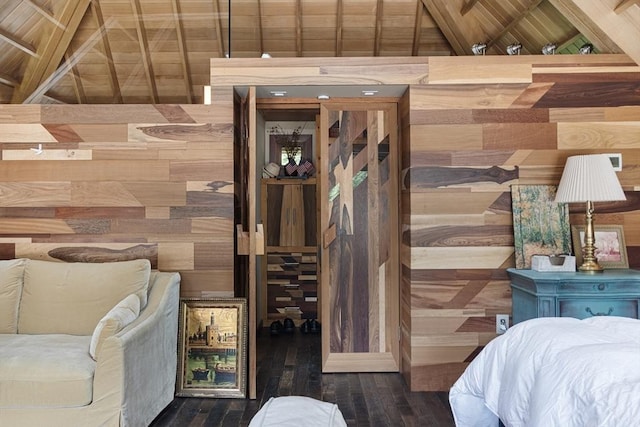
x=540 y=225
x=212 y=345
x=611 y=250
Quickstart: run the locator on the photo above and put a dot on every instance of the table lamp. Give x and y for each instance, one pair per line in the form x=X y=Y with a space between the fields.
x=587 y=179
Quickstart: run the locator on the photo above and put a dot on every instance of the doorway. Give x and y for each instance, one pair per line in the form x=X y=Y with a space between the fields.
x=353 y=242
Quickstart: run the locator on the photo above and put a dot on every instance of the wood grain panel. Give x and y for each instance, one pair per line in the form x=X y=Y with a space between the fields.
x=609 y=94
x=120 y=197
x=19 y=114
x=427 y=97
x=446 y=202
x=46 y=154
x=519 y=136
x=25 y=133
x=434 y=137
x=445 y=71
x=598 y=135
x=460 y=257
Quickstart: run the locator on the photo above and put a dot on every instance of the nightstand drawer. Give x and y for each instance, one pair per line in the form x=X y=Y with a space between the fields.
x=583 y=308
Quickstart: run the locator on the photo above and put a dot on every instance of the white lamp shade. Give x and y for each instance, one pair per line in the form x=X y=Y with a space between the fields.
x=589 y=178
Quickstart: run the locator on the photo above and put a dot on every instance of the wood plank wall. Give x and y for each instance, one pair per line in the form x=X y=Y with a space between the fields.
x=121 y=181
x=470 y=128
x=474 y=131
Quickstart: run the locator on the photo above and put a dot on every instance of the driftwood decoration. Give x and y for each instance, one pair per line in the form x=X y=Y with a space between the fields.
x=193 y=133
x=436 y=176
x=96 y=254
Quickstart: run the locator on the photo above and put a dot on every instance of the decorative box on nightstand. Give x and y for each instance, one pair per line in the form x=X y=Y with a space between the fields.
x=614 y=292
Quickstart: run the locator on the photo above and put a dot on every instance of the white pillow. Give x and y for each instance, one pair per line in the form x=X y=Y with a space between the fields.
x=125 y=312
x=72 y=297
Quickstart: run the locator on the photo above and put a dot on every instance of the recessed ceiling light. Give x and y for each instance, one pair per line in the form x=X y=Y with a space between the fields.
x=278 y=92
x=323 y=97
x=369 y=92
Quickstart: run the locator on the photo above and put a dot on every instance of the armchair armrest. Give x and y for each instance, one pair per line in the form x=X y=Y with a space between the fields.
x=136 y=369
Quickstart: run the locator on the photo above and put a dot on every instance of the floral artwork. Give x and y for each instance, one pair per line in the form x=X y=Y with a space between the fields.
x=540 y=225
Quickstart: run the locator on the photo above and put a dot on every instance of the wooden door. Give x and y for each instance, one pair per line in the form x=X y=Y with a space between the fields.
x=359 y=204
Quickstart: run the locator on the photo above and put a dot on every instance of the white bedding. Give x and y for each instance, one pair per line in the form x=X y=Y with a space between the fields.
x=554 y=372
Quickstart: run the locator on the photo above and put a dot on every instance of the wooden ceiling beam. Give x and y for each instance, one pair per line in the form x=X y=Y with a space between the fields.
x=145 y=53
x=113 y=75
x=44 y=13
x=8 y=80
x=339 y=19
x=78 y=88
x=51 y=50
x=607 y=31
x=182 y=48
x=467 y=6
x=260 y=34
x=217 y=20
x=378 y=34
x=624 y=5
x=17 y=43
x=515 y=21
x=417 y=29
x=298 y=14
x=40 y=92
x=460 y=31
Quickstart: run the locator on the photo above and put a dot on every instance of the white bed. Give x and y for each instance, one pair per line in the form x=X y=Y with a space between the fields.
x=554 y=372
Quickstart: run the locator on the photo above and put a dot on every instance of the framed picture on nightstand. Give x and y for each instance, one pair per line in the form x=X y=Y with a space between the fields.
x=540 y=225
x=611 y=250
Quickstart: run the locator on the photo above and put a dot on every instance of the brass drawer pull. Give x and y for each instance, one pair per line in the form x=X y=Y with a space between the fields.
x=588 y=310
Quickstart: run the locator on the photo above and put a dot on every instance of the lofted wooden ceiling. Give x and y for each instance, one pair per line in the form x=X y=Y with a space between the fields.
x=158 y=51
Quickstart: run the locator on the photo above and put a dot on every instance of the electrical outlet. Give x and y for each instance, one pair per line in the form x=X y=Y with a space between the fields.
x=502 y=323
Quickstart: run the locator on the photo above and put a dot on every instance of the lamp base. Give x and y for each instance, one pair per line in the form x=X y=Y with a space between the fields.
x=591 y=267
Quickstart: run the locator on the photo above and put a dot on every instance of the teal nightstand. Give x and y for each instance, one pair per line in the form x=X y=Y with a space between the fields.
x=614 y=292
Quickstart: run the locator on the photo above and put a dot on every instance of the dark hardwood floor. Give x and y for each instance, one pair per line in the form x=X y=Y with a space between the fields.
x=291 y=365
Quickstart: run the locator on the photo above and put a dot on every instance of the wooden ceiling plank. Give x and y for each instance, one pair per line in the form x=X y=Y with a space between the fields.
x=78 y=88
x=456 y=29
x=515 y=21
x=339 y=19
x=51 y=50
x=217 y=19
x=468 y=5
x=624 y=5
x=40 y=92
x=417 y=29
x=585 y=23
x=144 y=50
x=17 y=43
x=378 y=35
x=44 y=13
x=182 y=47
x=260 y=34
x=113 y=75
x=298 y=14
x=8 y=80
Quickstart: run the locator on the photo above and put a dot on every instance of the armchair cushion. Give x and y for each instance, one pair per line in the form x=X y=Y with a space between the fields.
x=71 y=298
x=10 y=292
x=120 y=316
x=47 y=371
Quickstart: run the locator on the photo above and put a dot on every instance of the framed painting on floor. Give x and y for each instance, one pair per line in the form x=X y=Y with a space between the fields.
x=212 y=346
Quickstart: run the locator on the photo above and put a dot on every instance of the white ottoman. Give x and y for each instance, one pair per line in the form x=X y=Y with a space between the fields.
x=296 y=411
